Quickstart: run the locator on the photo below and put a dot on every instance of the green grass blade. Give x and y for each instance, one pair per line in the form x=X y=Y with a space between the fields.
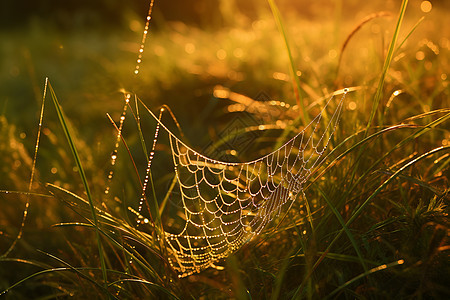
x=104 y=288
x=239 y=290
x=166 y=197
x=54 y=270
x=387 y=63
x=365 y=203
x=112 y=221
x=392 y=177
x=349 y=234
x=382 y=186
x=153 y=206
x=410 y=32
x=142 y=281
x=296 y=81
x=74 y=151
x=373 y=270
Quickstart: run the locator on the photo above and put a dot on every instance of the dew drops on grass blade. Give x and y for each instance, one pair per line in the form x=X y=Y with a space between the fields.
x=117 y=143
x=144 y=37
x=127 y=98
x=33 y=171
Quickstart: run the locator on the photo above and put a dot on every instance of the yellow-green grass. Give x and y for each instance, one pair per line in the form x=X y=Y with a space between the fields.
x=374 y=219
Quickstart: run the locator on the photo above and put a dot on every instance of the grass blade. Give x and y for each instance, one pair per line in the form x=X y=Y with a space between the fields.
x=296 y=81
x=387 y=63
x=33 y=171
x=342 y=222
x=364 y=204
x=373 y=270
x=74 y=151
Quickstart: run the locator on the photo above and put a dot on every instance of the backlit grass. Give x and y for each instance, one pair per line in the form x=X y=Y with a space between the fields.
x=373 y=222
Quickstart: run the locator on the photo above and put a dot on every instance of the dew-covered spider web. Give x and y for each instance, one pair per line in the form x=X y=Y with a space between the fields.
x=226 y=204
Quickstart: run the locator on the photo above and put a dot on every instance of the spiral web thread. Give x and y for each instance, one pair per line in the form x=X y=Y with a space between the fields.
x=227 y=204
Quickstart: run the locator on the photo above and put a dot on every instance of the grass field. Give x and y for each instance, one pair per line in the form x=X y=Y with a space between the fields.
x=371 y=222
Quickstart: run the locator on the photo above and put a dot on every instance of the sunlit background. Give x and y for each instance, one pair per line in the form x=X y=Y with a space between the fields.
x=88 y=50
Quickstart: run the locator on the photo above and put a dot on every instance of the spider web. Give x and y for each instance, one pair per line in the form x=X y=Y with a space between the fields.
x=226 y=204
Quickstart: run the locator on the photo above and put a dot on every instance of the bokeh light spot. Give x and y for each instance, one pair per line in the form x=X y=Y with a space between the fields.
x=332 y=53
x=238 y=52
x=189 y=48
x=221 y=54
x=420 y=55
x=135 y=26
x=444 y=43
x=426 y=6
x=280 y=76
x=352 y=105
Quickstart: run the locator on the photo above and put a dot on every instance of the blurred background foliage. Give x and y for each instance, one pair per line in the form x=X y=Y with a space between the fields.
x=88 y=49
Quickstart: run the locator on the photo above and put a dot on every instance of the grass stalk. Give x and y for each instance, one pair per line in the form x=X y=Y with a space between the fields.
x=33 y=171
x=347 y=231
x=293 y=69
x=371 y=271
x=84 y=180
x=387 y=63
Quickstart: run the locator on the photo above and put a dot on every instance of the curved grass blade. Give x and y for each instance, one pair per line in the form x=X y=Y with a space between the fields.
x=25 y=193
x=355 y=30
x=33 y=171
x=76 y=270
x=142 y=281
x=74 y=151
x=114 y=222
x=371 y=271
x=367 y=201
